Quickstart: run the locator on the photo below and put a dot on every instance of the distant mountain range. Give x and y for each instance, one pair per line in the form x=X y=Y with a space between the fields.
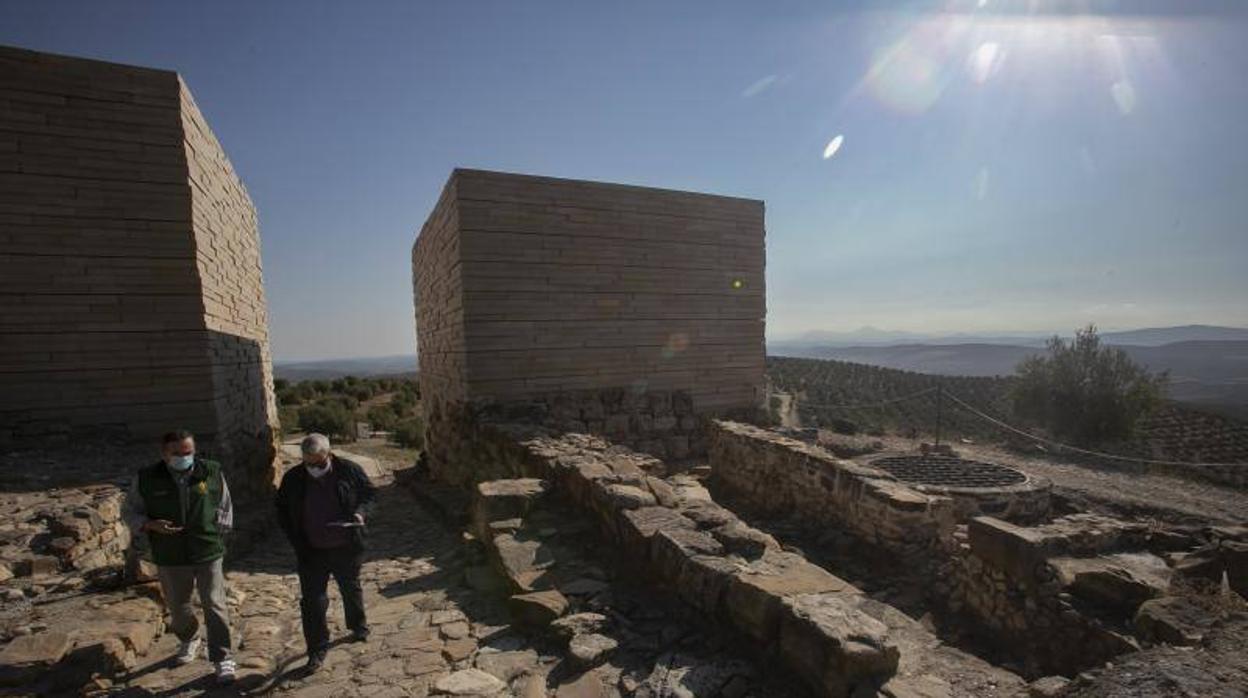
x=1208 y=365
x=871 y=336
x=328 y=369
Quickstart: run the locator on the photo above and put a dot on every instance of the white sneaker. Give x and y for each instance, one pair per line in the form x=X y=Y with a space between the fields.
x=225 y=671
x=188 y=651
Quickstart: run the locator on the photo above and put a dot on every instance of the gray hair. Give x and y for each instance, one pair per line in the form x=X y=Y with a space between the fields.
x=314 y=444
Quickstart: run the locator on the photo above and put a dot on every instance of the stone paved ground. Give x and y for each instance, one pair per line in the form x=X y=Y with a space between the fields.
x=435 y=634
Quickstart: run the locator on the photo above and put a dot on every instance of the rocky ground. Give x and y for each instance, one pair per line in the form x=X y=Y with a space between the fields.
x=440 y=628
x=1218 y=668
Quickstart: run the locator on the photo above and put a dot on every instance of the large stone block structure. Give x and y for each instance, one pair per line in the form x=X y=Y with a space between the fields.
x=131 y=298
x=620 y=310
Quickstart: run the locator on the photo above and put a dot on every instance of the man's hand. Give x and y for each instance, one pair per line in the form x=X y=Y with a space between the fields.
x=161 y=526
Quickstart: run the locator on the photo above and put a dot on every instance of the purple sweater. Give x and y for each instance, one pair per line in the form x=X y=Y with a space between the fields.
x=320 y=506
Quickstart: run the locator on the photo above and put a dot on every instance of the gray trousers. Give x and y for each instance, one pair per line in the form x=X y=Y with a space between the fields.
x=178 y=583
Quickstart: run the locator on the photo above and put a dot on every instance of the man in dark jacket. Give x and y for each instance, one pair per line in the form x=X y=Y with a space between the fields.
x=321 y=506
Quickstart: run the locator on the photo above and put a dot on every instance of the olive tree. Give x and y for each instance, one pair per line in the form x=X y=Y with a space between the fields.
x=1086 y=392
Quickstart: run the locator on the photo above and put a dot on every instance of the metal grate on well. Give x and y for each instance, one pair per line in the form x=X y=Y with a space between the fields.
x=947 y=471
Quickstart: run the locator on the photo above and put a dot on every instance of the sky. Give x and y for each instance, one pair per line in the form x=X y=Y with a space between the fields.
x=964 y=166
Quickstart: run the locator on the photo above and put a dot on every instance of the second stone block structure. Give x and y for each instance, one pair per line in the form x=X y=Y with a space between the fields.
x=606 y=308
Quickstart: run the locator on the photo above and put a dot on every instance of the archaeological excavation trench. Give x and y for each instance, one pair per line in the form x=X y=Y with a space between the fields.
x=1026 y=596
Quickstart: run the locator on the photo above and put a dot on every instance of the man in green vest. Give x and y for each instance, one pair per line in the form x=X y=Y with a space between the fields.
x=183 y=505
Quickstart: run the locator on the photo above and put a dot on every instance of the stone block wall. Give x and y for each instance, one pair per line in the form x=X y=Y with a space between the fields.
x=541 y=290
x=131 y=299
x=817 y=625
x=777 y=475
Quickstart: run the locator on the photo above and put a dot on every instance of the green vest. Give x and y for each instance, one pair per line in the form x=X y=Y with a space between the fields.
x=199 y=540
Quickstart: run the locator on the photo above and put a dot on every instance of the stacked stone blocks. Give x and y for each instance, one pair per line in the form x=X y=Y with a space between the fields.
x=131 y=296
x=610 y=309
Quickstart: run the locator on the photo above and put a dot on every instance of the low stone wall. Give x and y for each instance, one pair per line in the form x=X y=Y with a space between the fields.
x=776 y=475
x=1056 y=597
x=1001 y=579
x=660 y=423
x=807 y=618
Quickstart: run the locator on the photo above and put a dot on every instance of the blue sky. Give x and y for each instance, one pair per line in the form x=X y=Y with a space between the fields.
x=1000 y=169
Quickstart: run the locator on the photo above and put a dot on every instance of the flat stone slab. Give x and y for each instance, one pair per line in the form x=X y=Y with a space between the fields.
x=590 y=649
x=39 y=649
x=469 y=682
x=507 y=665
x=1174 y=620
x=835 y=646
x=1120 y=582
x=538 y=608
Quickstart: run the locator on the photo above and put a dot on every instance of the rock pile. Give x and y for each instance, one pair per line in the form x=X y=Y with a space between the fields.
x=51 y=540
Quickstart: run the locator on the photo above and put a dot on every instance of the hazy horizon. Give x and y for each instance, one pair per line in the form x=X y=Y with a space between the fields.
x=986 y=167
x=790 y=338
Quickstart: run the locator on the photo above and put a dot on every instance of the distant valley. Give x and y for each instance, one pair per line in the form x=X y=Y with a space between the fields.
x=1208 y=365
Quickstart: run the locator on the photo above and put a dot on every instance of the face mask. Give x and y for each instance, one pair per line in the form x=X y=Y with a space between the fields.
x=181 y=463
x=317 y=470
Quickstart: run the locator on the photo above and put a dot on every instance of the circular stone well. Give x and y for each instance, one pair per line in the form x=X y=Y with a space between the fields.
x=976 y=487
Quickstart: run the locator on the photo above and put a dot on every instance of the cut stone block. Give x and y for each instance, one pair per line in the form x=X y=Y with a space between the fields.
x=503 y=500
x=1173 y=620
x=834 y=646
x=1016 y=550
x=1120 y=582
x=538 y=608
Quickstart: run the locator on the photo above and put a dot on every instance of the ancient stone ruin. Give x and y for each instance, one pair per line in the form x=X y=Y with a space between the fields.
x=131 y=303
x=592 y=345
x=131 y=294
x=592 y=377
x=591 y=307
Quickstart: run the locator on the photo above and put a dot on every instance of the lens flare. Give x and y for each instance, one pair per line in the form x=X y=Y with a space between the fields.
x=985 y=61
x=1124 y=96
x=833 y=146
x=676 y=343
x=979 y=187
x=907 y=76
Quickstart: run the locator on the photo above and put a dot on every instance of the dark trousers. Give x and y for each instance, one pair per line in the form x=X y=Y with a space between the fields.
x=314 y=571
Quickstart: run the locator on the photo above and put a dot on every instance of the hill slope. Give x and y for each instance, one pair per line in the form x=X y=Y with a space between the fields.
x=844 y=395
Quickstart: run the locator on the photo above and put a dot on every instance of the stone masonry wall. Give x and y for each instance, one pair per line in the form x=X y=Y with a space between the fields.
x=227 y=256
x=540 y=290
x=811 y=621
x=438 y=297
x=130 y=286
x=779 y=475
x=657 y=423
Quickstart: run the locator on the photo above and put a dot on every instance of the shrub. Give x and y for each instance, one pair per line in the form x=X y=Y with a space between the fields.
x=288 y=419
x=382 y=418
x=328 y=418
x=1085 y=392
x=409 y=433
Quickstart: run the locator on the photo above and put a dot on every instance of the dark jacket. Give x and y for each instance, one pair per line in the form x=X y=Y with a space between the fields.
x=355 y=495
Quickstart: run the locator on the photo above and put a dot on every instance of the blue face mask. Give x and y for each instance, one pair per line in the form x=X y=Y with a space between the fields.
x=181 y=464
